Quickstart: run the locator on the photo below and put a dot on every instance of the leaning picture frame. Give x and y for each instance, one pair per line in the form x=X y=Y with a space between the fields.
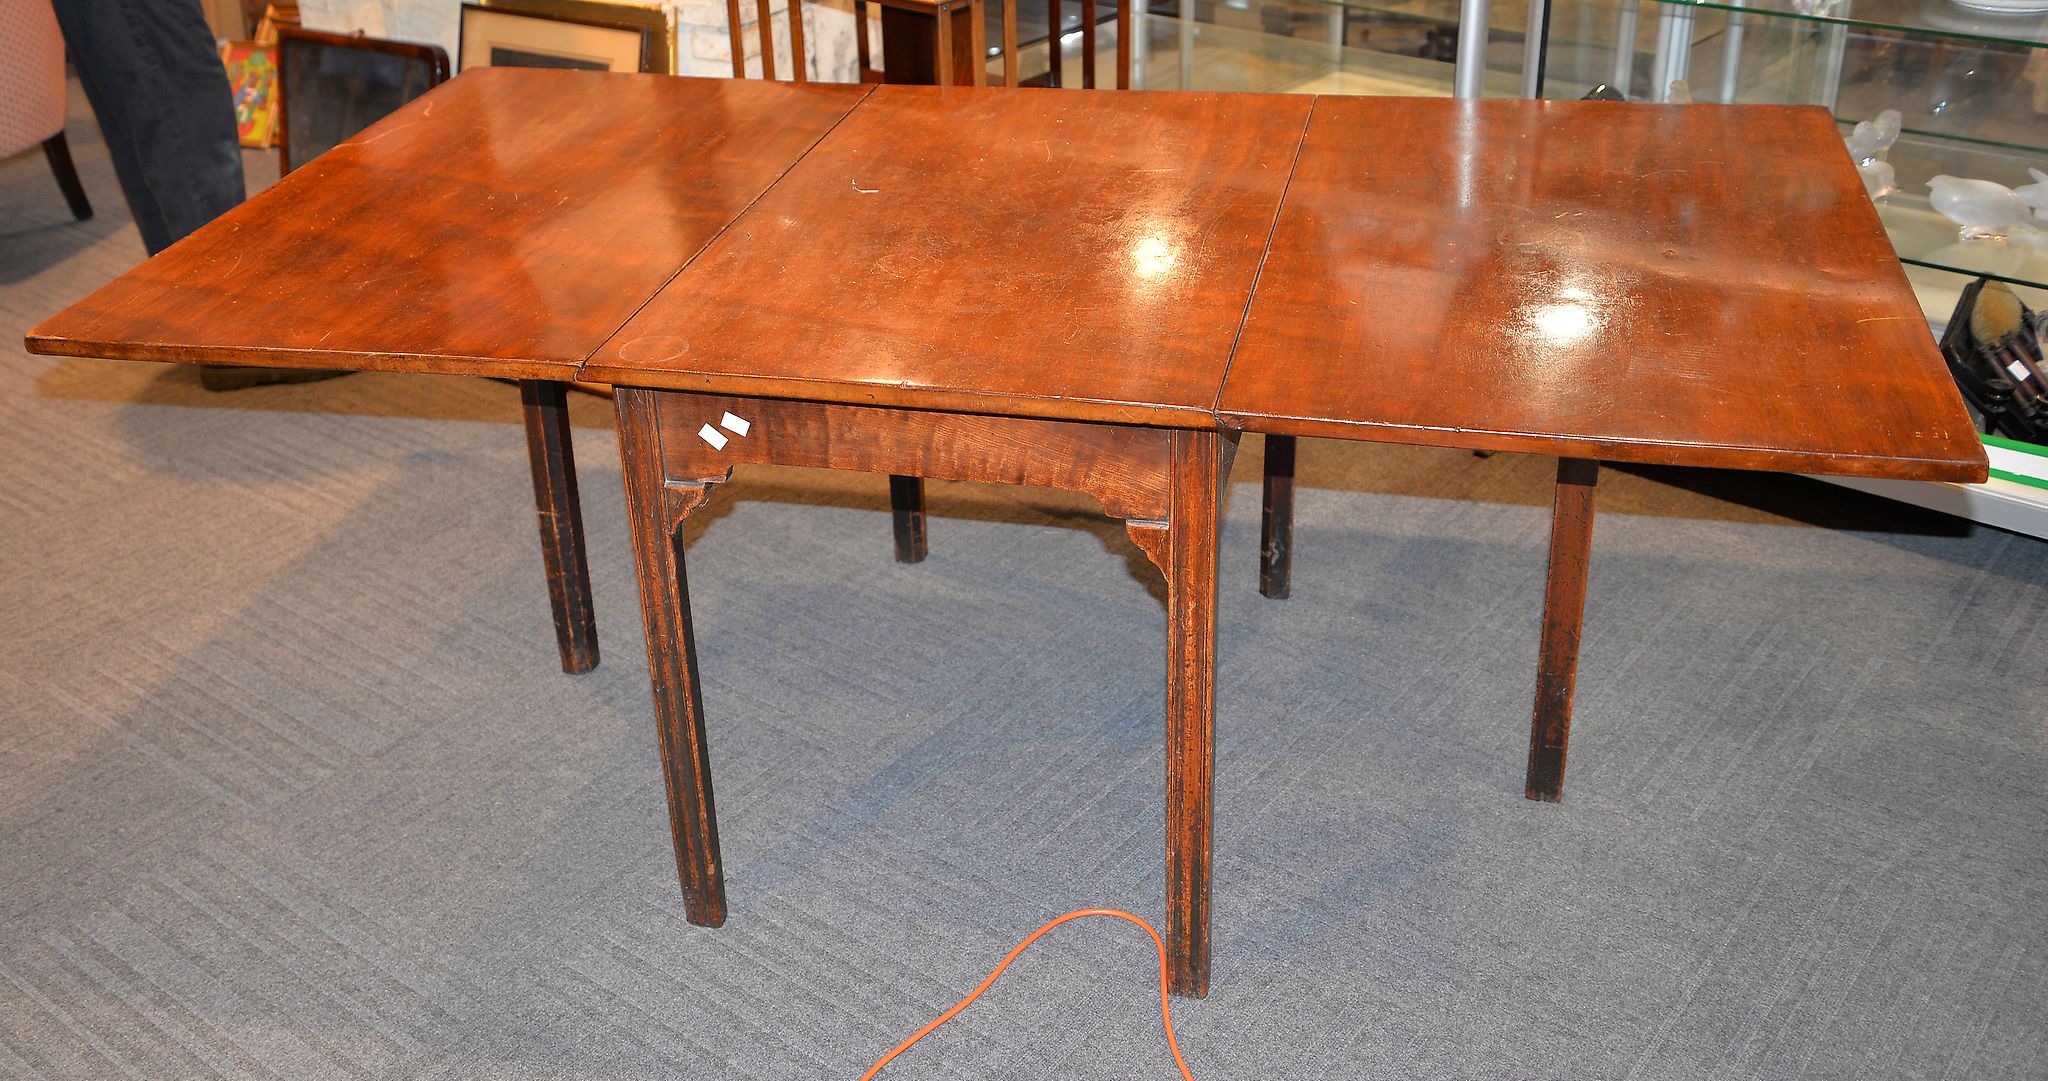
x=584 y=34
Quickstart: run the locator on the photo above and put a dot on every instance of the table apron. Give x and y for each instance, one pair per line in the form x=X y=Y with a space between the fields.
x=1127 y=468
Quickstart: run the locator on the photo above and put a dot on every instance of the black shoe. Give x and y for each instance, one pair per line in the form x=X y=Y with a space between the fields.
x=224 y=377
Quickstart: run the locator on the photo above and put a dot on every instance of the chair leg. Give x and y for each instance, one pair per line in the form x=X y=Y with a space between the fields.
x=1276 y=528
x=906 y=505
x=549 y=452
x=58 y=151
x=1564 y=610
x=1056 y=10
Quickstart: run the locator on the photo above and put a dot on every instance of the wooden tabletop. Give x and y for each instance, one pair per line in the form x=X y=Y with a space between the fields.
x=1696 y=285
x=504 y=224
x=1078 y=256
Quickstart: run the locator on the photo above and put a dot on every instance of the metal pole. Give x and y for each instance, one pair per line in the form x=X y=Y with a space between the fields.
x=1139 y=13
x=1625 y=48
x=1533 y=41
x=1468 y=79
x=1185 y=16
x=1731 y=53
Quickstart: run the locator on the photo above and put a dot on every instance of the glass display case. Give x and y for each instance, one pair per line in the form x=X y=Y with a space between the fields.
x=1971 y=83
x=1970 y=80
x=1394 y=47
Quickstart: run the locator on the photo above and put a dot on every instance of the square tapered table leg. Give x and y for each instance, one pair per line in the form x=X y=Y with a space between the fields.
x=657 y=511
x=550 y=452
x=906 y=507
x=1276 y=519
x=1564 y=610
x=1190 y=567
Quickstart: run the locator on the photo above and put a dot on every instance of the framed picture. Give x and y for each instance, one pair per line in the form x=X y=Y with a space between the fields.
x=252 y=76
x=335 y=85
x=586 y=34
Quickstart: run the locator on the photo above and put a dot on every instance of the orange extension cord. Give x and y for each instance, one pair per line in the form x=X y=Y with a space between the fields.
x=1165 y=1011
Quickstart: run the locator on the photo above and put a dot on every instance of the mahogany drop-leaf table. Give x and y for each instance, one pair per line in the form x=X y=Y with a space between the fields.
x=1098 y=292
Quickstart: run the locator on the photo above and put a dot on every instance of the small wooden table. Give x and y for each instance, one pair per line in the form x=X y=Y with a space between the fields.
x=1095 y=292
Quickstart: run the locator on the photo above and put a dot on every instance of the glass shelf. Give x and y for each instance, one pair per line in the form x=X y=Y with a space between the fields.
x=1918 y=158
x=1995 y=95
x=1510 y=19
x=1974 y=102
x=1920 y=17
x=1245 y=53
x=1925 y=238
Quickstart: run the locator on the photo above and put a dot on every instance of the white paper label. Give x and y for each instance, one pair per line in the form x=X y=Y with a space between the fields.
x=2019 y=372
x=733 y=424
x=712 y=436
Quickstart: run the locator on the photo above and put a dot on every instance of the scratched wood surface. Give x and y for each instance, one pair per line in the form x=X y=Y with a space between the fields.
x=1066 y=256
x=503 y=224
x=1126 y=468
x=1698 y=285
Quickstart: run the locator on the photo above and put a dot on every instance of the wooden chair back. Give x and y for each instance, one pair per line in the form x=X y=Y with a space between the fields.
x=1056 y=10
x=953 y=17
x=1055 y=15
x=765 y=13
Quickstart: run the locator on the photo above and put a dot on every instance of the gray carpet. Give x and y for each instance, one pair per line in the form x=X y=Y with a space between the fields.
x=291 y=786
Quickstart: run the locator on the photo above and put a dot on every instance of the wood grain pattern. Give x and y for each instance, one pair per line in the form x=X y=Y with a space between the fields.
x=1125 y=468
x=917 y=252
x=551 y=454
x=657 y=511
x=1705 y=285
x=503 y=224
x=1191 y=702
x=1564 y=611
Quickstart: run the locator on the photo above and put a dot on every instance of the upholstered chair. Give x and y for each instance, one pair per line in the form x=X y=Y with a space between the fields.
x=32 y=92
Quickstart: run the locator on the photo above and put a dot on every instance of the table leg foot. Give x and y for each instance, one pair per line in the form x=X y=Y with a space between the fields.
x=1276 y=529
x=1564 y=609
x=906 y=505
x=1190 y=568
x=550 y=452
x=658 y=510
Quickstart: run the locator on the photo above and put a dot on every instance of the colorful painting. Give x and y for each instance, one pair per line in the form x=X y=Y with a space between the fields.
x=252 y=75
